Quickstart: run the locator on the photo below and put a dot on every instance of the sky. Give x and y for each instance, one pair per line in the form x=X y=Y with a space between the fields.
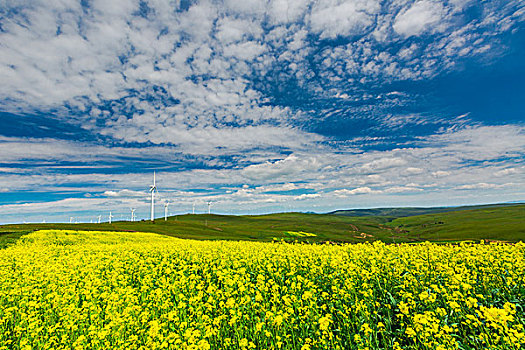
x=258 y=106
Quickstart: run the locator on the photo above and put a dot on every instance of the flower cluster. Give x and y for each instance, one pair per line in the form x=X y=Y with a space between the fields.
x=130 y=290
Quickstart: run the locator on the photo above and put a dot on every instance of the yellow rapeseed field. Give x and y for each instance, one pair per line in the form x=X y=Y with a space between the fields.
x=109 y=290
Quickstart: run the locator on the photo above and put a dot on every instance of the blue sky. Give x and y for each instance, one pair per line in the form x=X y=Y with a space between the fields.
x=258 y=106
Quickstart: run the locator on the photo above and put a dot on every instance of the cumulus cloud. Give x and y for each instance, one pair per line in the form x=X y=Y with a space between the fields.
x=413 y=171
x=421 y=16
x=286 y=11
x=288 y=167
x=342 y=18
x=197 y=65
x=359 y=190
x=125 y=193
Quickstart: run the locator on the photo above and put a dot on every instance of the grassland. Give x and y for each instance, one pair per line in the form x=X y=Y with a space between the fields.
x=411 y=211
x=502 y=222
x=497 y=223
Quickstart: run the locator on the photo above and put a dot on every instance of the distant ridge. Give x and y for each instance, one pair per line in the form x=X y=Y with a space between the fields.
x=413 y=211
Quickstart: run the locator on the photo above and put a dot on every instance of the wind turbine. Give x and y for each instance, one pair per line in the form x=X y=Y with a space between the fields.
x=132 y=214
x=70 y=219
x=193 y=208
x=110 y=217
x=166 y=205
x=99 y=217
x=209 y=207
x=152 y=189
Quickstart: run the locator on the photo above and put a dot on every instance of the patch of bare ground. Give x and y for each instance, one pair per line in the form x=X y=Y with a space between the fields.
x=364 y=235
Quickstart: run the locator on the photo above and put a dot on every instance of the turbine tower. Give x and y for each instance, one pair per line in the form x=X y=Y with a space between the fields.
x=110 y=217
x=209 y=207
x=193 y=208
x=152 y=189
x=99 y=217
x=166 y=205
x=70 y=219
x=132 y=214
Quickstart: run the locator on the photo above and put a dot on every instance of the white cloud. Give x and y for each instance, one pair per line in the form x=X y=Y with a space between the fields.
x=247 y=7
x=482 y=142
x=244 y=51
x=413 y=171
x=286 y=11
x=507 y=171
x=358 y=190
x=384 y=163
x=288 y=167
x=306 y=196
x=441 y=173
x=403 y=189
x=204 y=57
x=342 y=18
x=232 y=30
x=125 y=193
x=481 y=185
x=420 y=17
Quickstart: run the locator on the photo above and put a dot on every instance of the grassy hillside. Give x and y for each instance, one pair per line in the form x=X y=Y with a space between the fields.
x=411 y=211
x=497 y=223
x=505 y=223
x=289 y=226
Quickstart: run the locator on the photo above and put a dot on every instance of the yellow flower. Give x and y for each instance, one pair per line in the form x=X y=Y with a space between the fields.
x=203 y=345
x=278 y=320
x=365 y=327
x=134 y=290
x=324 y=322
x=410 y=332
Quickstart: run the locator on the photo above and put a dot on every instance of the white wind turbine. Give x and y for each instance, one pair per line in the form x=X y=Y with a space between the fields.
x=99 y=217
x=132 y=214
x=193 y=208
x=166 y=205
x=110 y=217
x=209 y=207
x=152 y=189
x=70 y=219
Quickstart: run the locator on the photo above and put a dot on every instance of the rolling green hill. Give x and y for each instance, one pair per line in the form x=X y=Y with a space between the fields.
x=411 y=211
x=502 y=222
x=505 y=223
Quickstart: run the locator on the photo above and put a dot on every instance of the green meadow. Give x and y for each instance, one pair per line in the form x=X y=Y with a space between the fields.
x=396 y=225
